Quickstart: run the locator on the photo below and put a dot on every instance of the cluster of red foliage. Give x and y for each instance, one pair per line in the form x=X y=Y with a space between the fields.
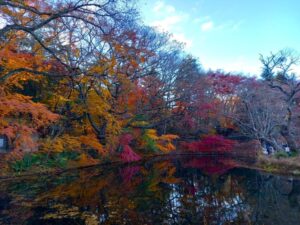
x=209 y=143
x=225 y=83
x=127 y=154
x=125 y=139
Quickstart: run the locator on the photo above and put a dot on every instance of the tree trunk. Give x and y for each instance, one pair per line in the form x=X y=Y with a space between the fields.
x=272 y=143
x=285 y=132
x=101 y=131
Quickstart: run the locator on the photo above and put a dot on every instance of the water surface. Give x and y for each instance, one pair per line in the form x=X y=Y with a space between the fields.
x=186 y=190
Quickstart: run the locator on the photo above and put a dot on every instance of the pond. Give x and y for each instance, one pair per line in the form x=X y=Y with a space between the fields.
x=174 y=190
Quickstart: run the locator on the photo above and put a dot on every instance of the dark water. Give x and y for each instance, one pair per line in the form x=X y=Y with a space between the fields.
x=190 y=190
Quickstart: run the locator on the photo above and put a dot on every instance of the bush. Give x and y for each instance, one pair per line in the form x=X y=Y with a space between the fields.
x=281 y=154
x=43 y=160
x=210 y=143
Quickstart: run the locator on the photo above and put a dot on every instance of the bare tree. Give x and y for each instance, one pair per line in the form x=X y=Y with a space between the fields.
x=278 y=73
x=259 y=113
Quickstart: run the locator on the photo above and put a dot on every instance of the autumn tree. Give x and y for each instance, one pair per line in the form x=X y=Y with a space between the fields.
x=56 y=46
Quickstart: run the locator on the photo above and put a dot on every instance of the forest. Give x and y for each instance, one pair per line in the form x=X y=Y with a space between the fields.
x=86 y=81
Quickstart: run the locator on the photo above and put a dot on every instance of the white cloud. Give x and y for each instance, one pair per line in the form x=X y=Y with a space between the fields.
x=207 y=26
x=158 y=6
x=235 y=65
x=161 y=7
x=230 y=25
x=167 y=23
x=168 y=19
x=180 y=37
x=201 y=19
x=296 y=70
x=170 y=9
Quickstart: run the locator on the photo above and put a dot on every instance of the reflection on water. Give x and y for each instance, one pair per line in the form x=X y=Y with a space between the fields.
x=190 y=190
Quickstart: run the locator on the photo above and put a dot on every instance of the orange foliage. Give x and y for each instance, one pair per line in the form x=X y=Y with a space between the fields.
x=35 y=116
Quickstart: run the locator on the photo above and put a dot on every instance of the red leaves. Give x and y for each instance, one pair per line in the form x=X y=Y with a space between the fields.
x=125 y=139
x=127 y=154
x=225 y=83
x=211 y=143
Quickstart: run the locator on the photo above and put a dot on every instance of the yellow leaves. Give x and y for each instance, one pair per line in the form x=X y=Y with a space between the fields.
x=169 y=137
x=52 y=145
x=86 y=160
x=92 y=141
x=153 y=142
x=59 y=211
x=151 y=133
x=105 y=93
x=85 y=80
x=72 y=143
x=57 y=100
x=165 y=142
x=59 y=144
x=171 y=180
x=162 y=165
x=97 y=105
x=166 y=147
x=139 y=123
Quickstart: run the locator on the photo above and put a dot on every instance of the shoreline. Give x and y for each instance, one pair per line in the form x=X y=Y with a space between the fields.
x=270 y=165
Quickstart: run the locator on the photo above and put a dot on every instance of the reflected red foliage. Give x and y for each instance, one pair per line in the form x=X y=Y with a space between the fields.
x=191 y=190
x=128 y=172
x=210 y=165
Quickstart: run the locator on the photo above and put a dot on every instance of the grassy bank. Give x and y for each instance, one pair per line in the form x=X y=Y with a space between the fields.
x=40 y=165
x=277 y=164
x=32 y=165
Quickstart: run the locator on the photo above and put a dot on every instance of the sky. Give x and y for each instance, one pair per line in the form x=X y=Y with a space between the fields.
x=228 y=34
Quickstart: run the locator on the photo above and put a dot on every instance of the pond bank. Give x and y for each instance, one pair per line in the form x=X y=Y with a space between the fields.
x=283 y=166
x=56 y=171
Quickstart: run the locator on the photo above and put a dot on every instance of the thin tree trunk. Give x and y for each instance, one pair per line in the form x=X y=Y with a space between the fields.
x=285 y=132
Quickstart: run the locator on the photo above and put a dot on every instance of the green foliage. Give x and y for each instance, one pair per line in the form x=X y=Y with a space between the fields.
x=294 y=154
x=269 y=167
x=23 y=164
x=44 y=160
x=281 y=154
x=127 y=130
x=150 y=144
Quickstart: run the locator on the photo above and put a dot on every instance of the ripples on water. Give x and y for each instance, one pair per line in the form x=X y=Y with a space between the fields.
x=189 y=190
